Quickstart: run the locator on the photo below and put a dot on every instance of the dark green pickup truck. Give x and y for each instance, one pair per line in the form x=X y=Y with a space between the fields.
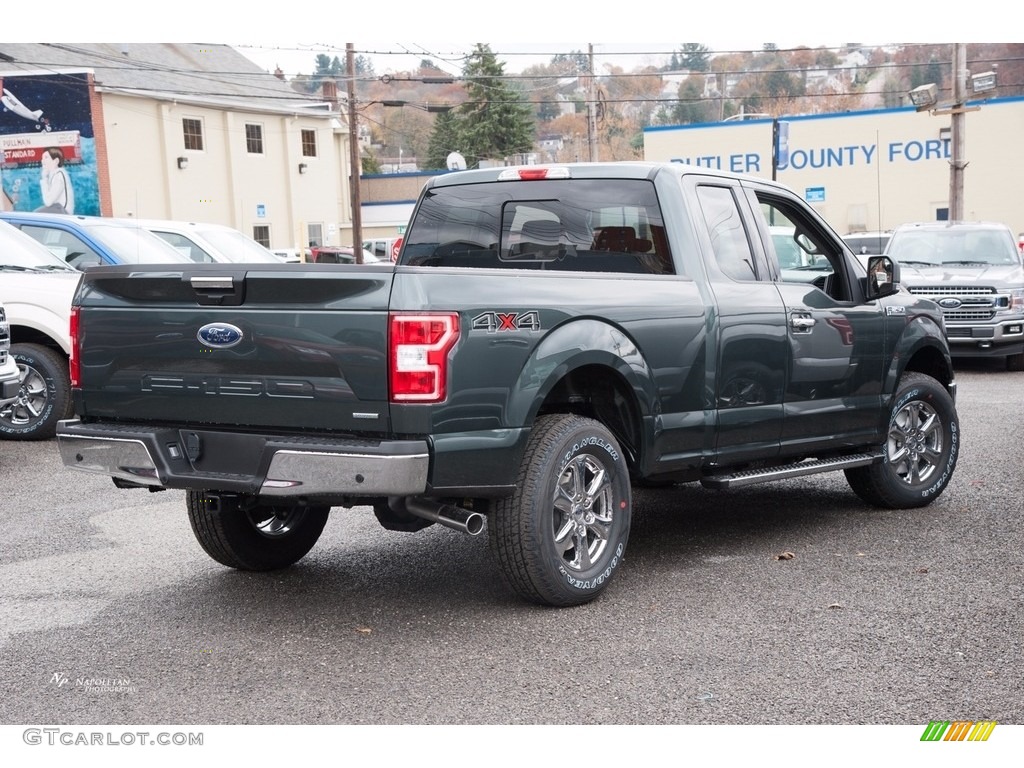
x=549 y=337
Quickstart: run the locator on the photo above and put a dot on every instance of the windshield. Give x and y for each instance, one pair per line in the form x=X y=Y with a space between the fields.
x=24 y=252
x=133 y=245
x=232 y=245
x=954 y=245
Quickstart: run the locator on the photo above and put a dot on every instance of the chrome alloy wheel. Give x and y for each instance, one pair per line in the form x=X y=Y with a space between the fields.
x=583 y=502
x=31 y=398
x=915 y=442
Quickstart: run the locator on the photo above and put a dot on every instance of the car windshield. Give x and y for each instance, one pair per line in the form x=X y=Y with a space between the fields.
x=20 y=251
x=234 y=246
x=954 y=245
x=134 y=245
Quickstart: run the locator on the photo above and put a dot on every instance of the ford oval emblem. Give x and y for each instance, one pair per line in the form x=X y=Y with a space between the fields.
x=949 y=303
x=219 y=335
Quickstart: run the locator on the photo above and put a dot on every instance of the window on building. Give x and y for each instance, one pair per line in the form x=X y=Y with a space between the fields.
x=315 y=233
x=308 y=143
x=254 y=138
x=193 y=132
x=261 y=234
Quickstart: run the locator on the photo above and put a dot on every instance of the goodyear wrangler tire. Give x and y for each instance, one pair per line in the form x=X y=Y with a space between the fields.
x=260 y=537
x=44 y=397
x=920 y=451
x=562 y=535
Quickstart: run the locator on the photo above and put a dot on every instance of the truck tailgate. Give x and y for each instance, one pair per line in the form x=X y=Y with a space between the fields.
x=278 y=347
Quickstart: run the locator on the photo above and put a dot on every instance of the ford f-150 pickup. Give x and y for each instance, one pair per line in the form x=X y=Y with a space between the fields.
x=549 y=338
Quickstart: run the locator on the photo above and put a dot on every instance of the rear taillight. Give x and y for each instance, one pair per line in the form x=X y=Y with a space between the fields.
x=73 y=366
x=418 y=347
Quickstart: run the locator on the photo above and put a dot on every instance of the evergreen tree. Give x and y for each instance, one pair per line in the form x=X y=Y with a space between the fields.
x=364 y=66
x=444 y=139
x=695 y=57
x=370 y=163
x=692 y=107
x=326 y=69
x=494 y=123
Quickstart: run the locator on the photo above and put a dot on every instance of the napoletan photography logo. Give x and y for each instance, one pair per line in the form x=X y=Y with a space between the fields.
x=94 y=683
x=958 y=730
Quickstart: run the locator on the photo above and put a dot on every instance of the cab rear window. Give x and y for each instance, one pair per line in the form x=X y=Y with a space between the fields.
x=581 y=225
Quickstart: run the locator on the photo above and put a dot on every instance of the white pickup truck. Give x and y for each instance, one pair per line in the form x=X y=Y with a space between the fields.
x=9 y=375
x=975 y=273
x=36 y=289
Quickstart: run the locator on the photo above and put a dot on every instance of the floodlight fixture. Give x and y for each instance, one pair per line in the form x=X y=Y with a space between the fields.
x=983 y=81
x=924 y=96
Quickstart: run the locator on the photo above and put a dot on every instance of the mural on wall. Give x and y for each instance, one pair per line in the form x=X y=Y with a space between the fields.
x=47 y=146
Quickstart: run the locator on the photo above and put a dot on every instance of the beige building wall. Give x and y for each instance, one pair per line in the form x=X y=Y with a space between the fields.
x=871 y=170
x=224 y=183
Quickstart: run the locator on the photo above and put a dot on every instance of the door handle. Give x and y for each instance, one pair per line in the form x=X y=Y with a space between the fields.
x=802 y=323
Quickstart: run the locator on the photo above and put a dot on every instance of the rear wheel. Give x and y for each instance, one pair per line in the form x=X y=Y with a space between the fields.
x=561 y=536
x=253 y=537
x=921 y=449
x=44 y=397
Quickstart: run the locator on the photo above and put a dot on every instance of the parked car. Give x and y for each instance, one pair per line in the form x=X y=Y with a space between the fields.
x=385 y=248
x=9 y=374
x=36 y=289
x=974 y=272
x=204 y=242
x=867 y=243
x=291 y=255
x=84 y=241
x=340 y=254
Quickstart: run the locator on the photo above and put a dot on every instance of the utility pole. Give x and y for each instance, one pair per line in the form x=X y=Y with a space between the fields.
x=353 y=155
x=591 y=105
x=957 y=164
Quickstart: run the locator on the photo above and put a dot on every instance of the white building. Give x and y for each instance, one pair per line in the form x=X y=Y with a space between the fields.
x=874 y=169
x=177 y=131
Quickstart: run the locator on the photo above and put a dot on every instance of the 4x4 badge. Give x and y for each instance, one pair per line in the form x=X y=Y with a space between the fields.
x=496 y=322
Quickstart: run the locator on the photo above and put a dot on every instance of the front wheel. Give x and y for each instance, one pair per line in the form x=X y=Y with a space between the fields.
x=561 y=536
x=253 y=537
x=921 y=449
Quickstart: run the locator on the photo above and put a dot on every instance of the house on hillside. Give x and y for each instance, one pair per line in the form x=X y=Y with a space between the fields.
x=175 y=131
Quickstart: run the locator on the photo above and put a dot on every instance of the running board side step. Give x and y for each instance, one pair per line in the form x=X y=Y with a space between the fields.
x=786 y=471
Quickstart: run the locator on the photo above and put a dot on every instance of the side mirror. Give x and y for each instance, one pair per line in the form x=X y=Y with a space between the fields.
x=883 y=277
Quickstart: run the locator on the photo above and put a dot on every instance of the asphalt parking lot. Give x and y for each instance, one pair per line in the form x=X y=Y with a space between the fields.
x=878 y=617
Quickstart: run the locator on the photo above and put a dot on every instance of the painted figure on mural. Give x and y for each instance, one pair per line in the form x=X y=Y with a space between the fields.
x=58 y=194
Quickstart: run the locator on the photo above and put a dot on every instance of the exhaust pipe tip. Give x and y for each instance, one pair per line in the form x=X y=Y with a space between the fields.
x=448 y=515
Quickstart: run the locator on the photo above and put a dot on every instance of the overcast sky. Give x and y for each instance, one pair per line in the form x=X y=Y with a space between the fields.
x=291 y=35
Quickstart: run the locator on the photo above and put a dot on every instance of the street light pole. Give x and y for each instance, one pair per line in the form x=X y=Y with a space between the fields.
x=957 y=164
x=353 y=156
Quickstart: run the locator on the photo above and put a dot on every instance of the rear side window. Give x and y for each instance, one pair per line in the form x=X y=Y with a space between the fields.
x=64 y=245
x=581 y=225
